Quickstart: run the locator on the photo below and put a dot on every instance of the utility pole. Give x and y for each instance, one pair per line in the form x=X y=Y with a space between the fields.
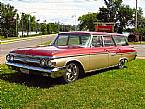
x=22 y=24
x=17 y=25
x=136 y=15
x=29 y=23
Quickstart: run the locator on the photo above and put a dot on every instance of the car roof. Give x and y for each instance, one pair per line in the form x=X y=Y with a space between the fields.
x=92 y=33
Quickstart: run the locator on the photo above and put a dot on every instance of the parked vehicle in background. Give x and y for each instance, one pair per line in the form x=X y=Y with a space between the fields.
x=73 y=54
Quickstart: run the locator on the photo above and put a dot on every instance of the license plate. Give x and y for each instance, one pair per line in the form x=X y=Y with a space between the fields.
x=24 y=71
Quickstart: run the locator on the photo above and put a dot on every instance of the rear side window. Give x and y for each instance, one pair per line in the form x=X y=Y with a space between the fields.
x=108 y=41
x=97 y=41
x=120 y=40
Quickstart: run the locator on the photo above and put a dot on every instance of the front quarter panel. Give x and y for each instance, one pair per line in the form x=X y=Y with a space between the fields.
x=82 y=59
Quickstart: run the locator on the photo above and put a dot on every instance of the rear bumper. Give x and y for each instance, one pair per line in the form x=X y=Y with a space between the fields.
x=40 y=69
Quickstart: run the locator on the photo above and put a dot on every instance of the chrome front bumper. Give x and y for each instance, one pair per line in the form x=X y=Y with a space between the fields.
x=35 y=68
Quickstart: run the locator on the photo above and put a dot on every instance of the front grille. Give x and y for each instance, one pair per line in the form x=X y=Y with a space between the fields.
x=27 y=60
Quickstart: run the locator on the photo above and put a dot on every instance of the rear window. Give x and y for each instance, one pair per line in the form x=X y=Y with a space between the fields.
x=120 y=40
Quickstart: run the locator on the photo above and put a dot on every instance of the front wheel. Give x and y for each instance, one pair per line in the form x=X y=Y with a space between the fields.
x=71 y=73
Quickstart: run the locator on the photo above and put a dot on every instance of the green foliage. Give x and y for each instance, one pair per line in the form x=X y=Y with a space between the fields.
x=49 y=28
x=7 y=20
x=103 y=15
x=112 y=9
x=87 y=21
x=27 y=23
x=111 y=89
x=10 y=21
x=122 y=15
x=54 y=27
x=43 y=28
x=46 y=43
x=140 y=30
x=66 y=28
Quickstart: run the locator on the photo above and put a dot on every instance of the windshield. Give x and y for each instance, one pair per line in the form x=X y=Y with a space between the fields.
x=72 y=40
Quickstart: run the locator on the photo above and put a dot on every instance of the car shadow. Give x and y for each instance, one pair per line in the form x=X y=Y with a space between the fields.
x=31 y=80
x=41 y=81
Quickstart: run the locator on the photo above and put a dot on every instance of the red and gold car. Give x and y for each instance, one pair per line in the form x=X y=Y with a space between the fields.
x=72 y=54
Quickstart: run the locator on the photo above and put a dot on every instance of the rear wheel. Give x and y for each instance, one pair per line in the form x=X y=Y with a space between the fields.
x=121 y=64
x=71 y=73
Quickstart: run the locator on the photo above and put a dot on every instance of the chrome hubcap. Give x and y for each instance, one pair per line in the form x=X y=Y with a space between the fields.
x=71 y=72
x=121 y=64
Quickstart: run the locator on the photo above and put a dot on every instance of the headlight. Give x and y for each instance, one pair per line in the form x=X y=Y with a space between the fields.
x=10 y=58
x=47 y=63
x=43 y=62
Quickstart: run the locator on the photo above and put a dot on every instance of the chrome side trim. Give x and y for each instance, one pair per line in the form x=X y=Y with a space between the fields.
x=34 y=68
x=101 y=68
x=80 y=55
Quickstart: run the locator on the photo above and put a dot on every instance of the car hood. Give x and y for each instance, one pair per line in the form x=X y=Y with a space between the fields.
x=44 y=51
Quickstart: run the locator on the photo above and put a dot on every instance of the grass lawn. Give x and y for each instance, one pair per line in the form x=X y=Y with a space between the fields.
x=137 y=43
x=12 y=38
x=46 y=43
x=106 y=89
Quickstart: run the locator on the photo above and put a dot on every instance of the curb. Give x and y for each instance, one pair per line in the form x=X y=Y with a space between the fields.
x=140 y=58
x=23 y=39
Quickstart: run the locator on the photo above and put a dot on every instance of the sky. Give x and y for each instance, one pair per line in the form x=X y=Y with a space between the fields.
x=62 y=11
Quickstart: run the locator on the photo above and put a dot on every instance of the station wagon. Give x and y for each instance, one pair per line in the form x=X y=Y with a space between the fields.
x=72 y=54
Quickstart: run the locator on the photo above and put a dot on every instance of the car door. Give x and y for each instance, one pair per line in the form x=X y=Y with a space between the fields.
x=112 y=49
x=98 y=55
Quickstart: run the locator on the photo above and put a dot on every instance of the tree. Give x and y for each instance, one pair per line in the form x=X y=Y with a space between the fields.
x=103 y=15
x=87 y=21
x=27 y=23
x=141 y=28
x=8 y=20
x=121 y=15
x=33 y=23
x=43 y=28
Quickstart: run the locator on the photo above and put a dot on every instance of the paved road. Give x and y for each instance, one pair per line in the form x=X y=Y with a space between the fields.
x=140 y=50
x=4 y=49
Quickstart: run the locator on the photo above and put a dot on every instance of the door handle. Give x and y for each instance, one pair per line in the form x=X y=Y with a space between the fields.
x=118 y=49
x=106 y=50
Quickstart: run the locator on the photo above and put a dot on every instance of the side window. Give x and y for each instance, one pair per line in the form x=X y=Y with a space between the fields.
x=97 y=41
x=108 y=41
x=120 y=40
